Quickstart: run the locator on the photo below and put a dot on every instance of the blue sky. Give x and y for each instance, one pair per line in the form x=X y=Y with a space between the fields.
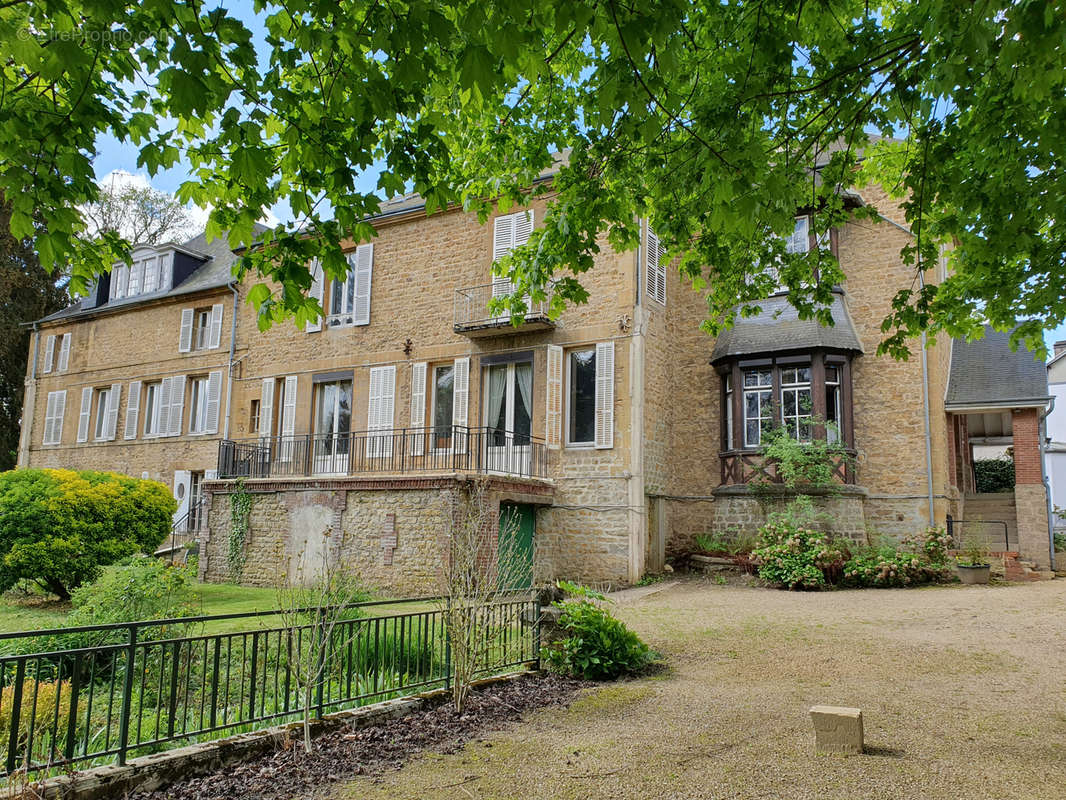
x=114 y=155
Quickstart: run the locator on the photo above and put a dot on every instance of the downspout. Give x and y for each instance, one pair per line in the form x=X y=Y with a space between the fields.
x=29 y=412
x=928 y=432
x=637 y=521
x=1047 y=483
x=232 y=352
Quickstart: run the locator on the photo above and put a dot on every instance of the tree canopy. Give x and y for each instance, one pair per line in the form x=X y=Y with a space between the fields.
x=706 y=118
x=140 y=213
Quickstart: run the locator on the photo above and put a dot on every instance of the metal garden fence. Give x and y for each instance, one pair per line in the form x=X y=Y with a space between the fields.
x=150 y=685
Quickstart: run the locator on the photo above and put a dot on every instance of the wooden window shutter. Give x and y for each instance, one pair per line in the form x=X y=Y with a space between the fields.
x=654 y=268
x=523 y=227
x=86 y=413
x=64 y=353
x=266 y=407
x=364 y=270
x=604 y=395
x=133 y=409
x=317 y=287
x=49 y=418
x=381 y=409
x=503 y=241
x=216 y=325
x=162 y=413
x=185 y=335
x=49 y=354
x=460 y=403
x=214 y=400
x=288 y=410
x=418 y=407
x=54 y=432
x=553 y=407
x=177 y=404
x=111 y=422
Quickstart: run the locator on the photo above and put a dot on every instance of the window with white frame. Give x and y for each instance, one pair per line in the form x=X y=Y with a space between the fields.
x=796 y=405
x=146 y=273
x=581 y=397
x=53 y=417
x=509 y=232
x=201 y=328
x=346 y=302
x=442 y=409
x=727 y=402
x=154 y=423
x=758 y=404
x=201 y=334
x=832 y=404
x=103 y=400
x=198 y=404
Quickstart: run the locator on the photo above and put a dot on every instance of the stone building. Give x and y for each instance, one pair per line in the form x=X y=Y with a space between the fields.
x=612 y=435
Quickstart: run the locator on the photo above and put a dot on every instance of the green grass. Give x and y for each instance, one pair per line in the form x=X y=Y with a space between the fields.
x=33 y=613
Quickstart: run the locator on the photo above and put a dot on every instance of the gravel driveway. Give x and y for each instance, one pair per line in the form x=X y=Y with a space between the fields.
x=962 y=690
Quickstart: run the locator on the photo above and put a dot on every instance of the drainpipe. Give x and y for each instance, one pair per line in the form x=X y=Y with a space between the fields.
x=928 y=433
x=637 y=524
x=29 y=403
x=232 y=352
x=1047 y=483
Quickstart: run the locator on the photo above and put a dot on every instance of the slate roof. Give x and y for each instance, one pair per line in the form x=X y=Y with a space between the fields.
x=214 y=273
x=986 y=372
x=778 y=328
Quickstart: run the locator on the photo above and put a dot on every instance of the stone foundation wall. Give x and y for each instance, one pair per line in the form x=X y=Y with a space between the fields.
x=735 y=509
x=1030 y=501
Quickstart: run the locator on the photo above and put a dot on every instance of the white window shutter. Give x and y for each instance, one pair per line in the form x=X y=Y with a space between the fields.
x=503 y=241
x=364 y=270
x=523 y=227
x=381 y=409
x=418 y=407
x=177 y=404
x=553 y=407
x=185 y=336
x=216 y=325
x=214 y=398
x=49 y=354
x=162 y=413
x=654 y=268
x=60 y=409
x=86 y=413
x=266 y=408
x=111 y=422
x=460 y=403
x=49 y=418
x=604 y=395
x=317 y=286
x=133 y=408
x=64 y=353
x=288 y=410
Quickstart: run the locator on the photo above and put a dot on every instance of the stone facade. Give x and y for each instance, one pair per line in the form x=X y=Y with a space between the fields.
x=614 y=512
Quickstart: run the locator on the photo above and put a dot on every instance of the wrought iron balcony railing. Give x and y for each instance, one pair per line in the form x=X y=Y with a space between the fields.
x=473 y=316
x=451 y=448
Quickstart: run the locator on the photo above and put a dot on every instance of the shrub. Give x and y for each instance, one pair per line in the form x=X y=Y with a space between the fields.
x=59 y=528
x=884 y=567
x=37 y=706
x=994 y=474
x=797 y=558
x=1060 y=540
x=139 y=588
x=933 y=544
x=598 y=646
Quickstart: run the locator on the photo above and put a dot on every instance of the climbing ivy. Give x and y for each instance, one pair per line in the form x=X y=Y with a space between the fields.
x=240 y=512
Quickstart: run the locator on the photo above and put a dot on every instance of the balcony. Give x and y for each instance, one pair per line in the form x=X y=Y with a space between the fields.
x=473 y=317
x=387 y=452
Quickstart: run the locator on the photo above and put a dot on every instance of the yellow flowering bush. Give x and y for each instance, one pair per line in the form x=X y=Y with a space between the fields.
x=59 y=528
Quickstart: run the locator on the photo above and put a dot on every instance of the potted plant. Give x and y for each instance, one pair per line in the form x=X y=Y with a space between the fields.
x=972 y=563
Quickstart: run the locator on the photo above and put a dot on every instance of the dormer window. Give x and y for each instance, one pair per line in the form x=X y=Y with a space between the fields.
x=148 y=272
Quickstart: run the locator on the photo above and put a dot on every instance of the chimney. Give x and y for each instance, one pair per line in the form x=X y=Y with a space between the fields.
x=1060 y=347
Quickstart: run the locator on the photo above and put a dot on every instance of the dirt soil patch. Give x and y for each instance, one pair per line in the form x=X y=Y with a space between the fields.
x=962 y=690
x=343 y=753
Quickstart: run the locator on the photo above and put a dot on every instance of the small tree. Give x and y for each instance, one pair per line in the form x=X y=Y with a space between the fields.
x=314 y=599
x=481 y=565
x=60 y=528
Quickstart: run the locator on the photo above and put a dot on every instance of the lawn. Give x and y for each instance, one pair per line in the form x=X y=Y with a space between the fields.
x=961 y=689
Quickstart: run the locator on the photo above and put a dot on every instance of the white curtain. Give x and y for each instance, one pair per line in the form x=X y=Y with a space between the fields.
x=523 y=377
x=497 y=393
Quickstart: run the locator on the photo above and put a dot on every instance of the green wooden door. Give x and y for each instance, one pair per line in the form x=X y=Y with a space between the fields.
x=516 y=546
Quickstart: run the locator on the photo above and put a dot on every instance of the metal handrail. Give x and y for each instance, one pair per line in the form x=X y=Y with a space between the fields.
x=471 y=305
x=953 y=522
x=448 y=448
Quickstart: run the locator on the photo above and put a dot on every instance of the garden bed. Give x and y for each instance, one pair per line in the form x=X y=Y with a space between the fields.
x=342 y=753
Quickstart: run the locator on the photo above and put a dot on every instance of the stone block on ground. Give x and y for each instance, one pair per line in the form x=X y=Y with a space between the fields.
x=837 y=729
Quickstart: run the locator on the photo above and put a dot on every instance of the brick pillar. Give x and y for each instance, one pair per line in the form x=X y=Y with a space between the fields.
x=1030 y=497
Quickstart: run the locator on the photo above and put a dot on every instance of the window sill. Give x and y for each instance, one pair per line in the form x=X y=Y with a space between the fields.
x=580 y=446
